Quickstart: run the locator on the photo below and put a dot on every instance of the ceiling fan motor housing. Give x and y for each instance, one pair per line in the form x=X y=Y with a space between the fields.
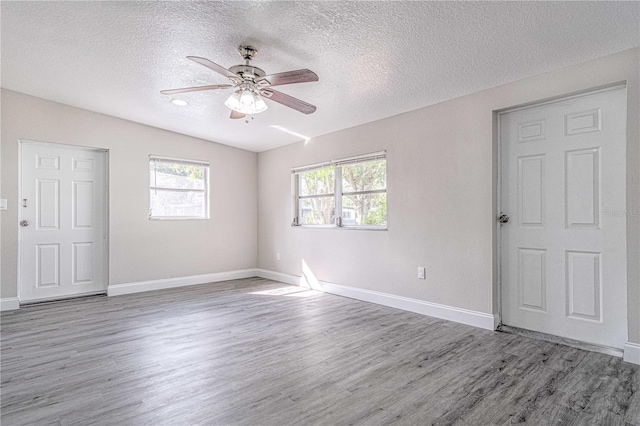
x=248 y=72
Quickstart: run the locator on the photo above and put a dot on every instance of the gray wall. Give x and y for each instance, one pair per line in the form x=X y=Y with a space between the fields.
x=442 y=168
x=140 y=249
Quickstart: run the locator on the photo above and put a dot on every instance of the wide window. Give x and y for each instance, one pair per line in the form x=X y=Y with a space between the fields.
x=347 y=193
x=179 y=189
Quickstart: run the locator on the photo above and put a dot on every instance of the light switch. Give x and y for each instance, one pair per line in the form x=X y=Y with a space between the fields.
x=3 y=203
x=422 y=273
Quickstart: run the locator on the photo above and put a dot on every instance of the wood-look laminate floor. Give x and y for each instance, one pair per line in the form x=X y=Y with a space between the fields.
x=257 y=352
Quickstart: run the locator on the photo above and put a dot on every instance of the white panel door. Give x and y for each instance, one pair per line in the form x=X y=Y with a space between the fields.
x=62 y=222
x=563 y=251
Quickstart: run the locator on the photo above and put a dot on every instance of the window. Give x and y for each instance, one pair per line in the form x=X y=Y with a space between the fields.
x=346 y=193
x=178 y=189
x=317 y=203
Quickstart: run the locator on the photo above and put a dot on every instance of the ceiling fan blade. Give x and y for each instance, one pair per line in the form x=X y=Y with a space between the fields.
x=195 y=89
x=235 y=115
x=289 y=101
x=213 y=66
x=290 y=77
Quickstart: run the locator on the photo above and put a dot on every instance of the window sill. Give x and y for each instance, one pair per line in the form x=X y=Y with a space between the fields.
x=366 y=228
x=178 y=218
x=352 y=228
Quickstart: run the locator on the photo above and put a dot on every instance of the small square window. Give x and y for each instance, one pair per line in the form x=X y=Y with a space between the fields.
x=178 y=189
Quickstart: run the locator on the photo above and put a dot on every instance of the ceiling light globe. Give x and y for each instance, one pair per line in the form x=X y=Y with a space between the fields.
x=260 y=104
x=233 y=101
x=246 y=101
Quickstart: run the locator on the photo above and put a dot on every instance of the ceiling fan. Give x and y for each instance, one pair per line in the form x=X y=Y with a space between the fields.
x=252 y=84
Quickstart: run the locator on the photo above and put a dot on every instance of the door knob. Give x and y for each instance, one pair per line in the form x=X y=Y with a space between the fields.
x=503 y=218
x=24 y=223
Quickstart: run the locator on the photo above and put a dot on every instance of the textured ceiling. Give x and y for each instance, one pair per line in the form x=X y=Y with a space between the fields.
x=374 y=59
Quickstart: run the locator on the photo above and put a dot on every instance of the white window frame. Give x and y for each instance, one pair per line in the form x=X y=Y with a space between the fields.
x=338 y=192
x=205 y=190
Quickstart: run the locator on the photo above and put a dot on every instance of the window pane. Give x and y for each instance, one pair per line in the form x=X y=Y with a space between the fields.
x=315 y=182
x=317 y=211
x=182 y=176
x=166 y=203
x=368 y=176
x=364 y=209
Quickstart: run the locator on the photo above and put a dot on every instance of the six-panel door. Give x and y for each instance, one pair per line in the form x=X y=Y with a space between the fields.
x=563 y=252
x=63 y=241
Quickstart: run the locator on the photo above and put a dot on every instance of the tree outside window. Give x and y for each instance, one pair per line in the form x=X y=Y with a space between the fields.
x=349 y=194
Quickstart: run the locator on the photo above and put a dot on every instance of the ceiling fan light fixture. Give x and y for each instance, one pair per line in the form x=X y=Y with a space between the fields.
x=251 y=85
x=246 y=101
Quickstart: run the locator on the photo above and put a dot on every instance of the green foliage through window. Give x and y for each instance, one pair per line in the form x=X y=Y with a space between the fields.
x=178 y=189
x=362 y=191
x=320 y=209
x=369 y=209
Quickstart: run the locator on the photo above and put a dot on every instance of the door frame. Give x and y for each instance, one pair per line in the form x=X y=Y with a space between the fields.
x=498 y=175
x=21 y=144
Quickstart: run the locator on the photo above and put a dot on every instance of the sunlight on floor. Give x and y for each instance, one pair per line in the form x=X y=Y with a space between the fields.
x=308 y=286
x=305 y=293
x=279 y=291
x=288 y=291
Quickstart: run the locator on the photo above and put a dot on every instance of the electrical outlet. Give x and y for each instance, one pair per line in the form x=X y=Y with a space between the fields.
x=422 y=274
x=277 y=256
x=3 y=203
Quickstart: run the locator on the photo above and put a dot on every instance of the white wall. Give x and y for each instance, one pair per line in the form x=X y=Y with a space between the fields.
x=140 y=249
x=441 y=178
x=442 y=168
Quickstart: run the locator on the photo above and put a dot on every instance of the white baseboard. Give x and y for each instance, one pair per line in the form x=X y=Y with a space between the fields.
x=632 y=353
x=9 y=304
x=450 y=313
x=140 y=286
x=278 y=276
